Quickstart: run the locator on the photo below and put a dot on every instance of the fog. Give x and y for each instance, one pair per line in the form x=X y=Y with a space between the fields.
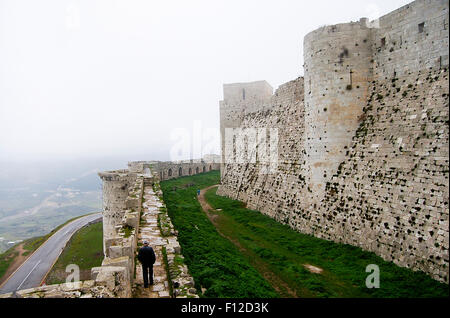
x=114 y=79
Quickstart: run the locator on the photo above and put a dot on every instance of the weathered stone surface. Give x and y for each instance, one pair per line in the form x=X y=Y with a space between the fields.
x=362 y=139
x=71 y=286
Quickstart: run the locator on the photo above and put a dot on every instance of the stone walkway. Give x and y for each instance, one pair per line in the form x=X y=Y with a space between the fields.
x=149 y=230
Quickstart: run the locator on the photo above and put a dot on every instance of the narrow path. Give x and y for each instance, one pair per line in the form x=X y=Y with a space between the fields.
x=149 y=230
x=262 y=267
x=16 y=263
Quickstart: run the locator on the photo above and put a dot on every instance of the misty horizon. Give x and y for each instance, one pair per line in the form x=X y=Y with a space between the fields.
x=93 y=79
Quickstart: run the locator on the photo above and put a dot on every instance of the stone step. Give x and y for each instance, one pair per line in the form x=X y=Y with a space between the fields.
x=150 y=231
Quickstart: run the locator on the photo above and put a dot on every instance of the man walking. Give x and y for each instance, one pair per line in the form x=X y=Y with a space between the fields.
x=147 y=258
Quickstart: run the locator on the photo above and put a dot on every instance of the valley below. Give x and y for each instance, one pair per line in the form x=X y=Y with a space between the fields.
x=37 y=198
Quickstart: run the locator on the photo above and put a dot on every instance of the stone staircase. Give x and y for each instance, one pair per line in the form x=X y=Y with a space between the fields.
x=170 y=273
x=149 y=230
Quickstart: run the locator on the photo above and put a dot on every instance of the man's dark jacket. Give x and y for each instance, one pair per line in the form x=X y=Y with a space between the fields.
x=146 y=255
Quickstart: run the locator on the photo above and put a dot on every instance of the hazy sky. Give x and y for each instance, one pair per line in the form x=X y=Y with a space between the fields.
x=110 y=77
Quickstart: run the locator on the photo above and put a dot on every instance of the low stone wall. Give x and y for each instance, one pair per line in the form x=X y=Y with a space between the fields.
x=173 y=169
x=170 y=170
x=107 y=282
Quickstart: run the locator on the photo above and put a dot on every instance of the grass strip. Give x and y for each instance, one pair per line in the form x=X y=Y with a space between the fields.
x=344 y=266
x=214 y=262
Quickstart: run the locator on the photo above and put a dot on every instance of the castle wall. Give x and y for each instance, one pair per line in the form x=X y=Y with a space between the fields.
x=363 y=149
x=253 y=91
x=390 y=194
x=272 y=193
x=406 y=48
x=169 y=170
x=240 y=99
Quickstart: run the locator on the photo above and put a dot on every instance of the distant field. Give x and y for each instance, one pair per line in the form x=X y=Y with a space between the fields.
x=85 y=249
x=47 y=218
x=36 y=196
x=265 y=248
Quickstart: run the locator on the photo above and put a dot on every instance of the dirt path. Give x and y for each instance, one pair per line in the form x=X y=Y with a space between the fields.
x=263 y=268
x=18 y=260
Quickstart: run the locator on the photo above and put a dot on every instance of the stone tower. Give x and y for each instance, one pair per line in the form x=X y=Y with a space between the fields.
x=337 y=74
x=238 y=100
x=115 y=193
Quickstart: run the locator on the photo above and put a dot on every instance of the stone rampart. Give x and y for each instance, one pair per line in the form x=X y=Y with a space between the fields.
x=362 y=139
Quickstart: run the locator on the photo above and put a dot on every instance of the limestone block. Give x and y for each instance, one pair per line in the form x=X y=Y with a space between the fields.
x=116 y=279
x=163 y=294
x=94 y=272
x=46 y=288
x=115 y=252
x=132 y=219
x=119 y=261
x=87 y=285
x=111 y=242
x=24 y=292
x=123 y=261
x=54 y=294
x=132 y=203
x=128 y=248
x=106 y=278
x=71 y=286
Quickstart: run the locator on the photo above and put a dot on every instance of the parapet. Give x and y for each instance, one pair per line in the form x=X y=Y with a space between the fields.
x=116 y=175
x=348 y=27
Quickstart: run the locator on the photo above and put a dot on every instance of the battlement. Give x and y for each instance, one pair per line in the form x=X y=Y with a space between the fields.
x=255 y=91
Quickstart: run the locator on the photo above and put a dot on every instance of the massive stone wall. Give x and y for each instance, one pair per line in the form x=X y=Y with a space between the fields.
x=411 y=38
x=363 y=148
x=390 y=193
x=237 y=103
x=272 y=193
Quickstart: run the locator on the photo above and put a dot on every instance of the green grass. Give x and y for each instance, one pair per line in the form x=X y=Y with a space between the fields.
x=128 y=230
x=343 y=265
x=6 y=259
x=33 y=243
x=84 y=249
x=214 y=262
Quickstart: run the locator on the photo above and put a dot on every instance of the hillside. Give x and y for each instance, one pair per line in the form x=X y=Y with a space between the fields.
x=85 y=249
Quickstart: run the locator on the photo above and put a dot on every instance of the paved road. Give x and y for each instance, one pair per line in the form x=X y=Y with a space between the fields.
x=33 y=270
